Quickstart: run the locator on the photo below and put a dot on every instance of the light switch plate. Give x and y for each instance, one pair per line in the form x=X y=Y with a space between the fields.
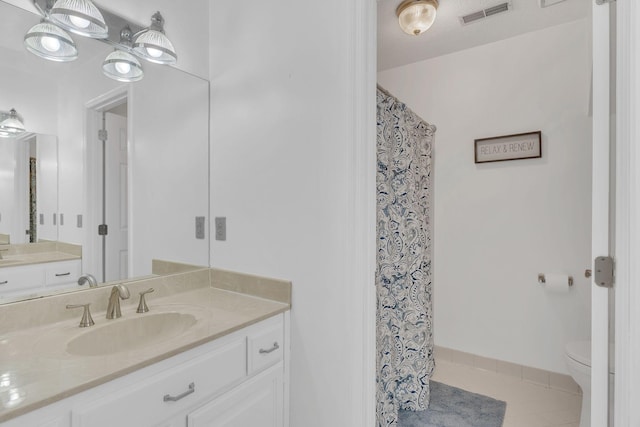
x=61 y=219
x=41 y=219
x=79 y=221
x=221 y=228
x=55 y=222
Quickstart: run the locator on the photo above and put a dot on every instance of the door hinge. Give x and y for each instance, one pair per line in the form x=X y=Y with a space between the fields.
x=102 y=135
x=603 y=271
x=103 y=230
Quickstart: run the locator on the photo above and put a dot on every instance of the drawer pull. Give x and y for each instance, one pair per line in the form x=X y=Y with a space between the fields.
x=169 y=398
x=4 y=283
x=271 y=350
x=63 y=274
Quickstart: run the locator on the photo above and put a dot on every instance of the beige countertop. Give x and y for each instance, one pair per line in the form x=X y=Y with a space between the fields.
x=36 y=258
x=36 y=369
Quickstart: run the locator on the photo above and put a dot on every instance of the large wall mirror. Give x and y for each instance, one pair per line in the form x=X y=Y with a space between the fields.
x=60 y=182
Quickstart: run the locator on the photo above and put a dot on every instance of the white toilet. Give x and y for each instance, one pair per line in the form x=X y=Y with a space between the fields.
x=578 y=358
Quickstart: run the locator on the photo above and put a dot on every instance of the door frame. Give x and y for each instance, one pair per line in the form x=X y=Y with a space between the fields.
x=601 y=218
x=627 y=322
x=361 y=235
x=93 y=122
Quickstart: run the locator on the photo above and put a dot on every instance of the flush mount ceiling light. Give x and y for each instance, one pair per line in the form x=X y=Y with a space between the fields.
x=80 y=17
x=416 y=16
x=121 y=65
x=11 y=124
x=50 y=42
x=153 y=45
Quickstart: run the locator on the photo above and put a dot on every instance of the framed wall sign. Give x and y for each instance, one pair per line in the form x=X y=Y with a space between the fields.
x=509 y=147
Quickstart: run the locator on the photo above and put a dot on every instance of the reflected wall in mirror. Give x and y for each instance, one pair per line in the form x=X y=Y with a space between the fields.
x=156 y=167
x=28 y=189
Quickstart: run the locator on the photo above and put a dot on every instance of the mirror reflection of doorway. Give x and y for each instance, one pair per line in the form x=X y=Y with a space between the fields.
x=113 y=163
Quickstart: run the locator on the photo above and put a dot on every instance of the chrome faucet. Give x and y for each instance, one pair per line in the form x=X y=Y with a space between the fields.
x=88 y=278
x=113 y=308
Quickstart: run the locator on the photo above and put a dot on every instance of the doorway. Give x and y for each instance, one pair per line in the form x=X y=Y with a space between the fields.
x=108 y=255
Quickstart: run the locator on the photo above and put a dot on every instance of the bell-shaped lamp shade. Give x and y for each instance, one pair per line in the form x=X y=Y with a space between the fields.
x=153 y=45
x=122 y=66
x=50 y=42
x=11 y=124
x=80 y=17
x=416 y=16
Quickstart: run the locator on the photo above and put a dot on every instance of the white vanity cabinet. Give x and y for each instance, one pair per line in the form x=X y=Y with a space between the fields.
x=256 y=402
x=33 y=278
x=231 y=381
x=62 y=274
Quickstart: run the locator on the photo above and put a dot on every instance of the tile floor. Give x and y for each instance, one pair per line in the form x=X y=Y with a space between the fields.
x=528 y=404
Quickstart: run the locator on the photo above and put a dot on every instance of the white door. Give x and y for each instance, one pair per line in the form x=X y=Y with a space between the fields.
x=116 y=253
x=601 y=218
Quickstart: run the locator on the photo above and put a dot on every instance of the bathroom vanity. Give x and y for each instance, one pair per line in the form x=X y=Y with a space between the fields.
x=211 y=351
x=22 y=280
x=38 y=268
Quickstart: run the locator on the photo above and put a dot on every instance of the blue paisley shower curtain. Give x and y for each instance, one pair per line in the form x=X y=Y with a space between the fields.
x=403 y=277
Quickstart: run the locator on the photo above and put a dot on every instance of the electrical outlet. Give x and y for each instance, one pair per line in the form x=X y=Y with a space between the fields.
x=200 y=227
x=221 y=228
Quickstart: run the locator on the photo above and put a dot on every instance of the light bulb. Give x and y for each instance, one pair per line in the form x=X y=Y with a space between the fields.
x=123 y=67
x=79 y=22
x=153 y=52
x=51 y=44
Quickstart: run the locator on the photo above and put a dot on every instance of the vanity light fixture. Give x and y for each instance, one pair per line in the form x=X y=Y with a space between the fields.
x=11 y=123
x=48 y=41
x=416 y=16
x=81 y=17
x=152 y=44
x=120 y=64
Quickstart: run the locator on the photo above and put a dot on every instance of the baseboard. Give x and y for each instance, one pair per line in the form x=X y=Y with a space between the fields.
x=537 y=376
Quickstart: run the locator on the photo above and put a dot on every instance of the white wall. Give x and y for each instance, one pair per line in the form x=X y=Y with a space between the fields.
x=8 y=213
x=47 y=185
x=498 y=225
x=169 y=169
x=281 y=134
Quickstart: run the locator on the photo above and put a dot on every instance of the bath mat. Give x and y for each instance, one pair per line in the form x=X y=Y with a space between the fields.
x=453 y=407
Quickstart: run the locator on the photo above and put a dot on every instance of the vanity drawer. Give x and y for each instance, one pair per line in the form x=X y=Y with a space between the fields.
x=265 y=345
x=19 y=279
x=57 y=273
x=146 y=404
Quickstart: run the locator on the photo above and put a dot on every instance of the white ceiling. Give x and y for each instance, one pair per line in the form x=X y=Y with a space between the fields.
x=447 y=35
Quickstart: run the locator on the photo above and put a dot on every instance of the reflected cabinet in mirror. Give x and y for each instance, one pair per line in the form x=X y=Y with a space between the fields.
x=107 y=177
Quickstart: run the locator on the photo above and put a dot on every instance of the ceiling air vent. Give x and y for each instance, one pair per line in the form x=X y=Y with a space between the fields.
x=485 y=13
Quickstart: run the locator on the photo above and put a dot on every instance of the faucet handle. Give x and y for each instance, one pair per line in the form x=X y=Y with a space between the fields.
x=142 y=305
x=86 y=314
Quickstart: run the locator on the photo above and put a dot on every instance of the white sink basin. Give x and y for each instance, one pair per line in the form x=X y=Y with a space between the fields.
x=130 y=333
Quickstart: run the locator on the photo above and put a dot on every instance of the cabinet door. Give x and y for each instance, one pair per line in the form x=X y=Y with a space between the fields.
x=257 y=402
